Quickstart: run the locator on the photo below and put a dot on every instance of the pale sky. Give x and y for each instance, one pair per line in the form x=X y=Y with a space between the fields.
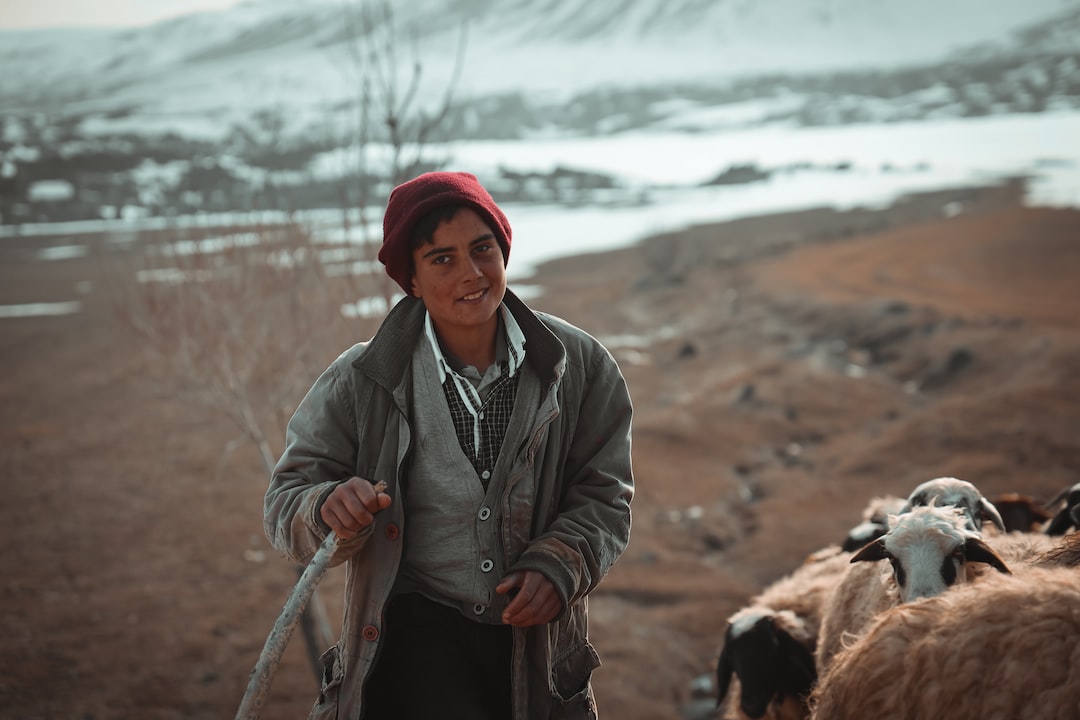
x=24 y=14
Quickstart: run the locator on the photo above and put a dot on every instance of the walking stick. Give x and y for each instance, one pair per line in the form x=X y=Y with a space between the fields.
x=270 y=658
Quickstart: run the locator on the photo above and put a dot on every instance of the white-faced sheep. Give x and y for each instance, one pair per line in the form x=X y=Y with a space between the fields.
x=1069 y=515
x=928 y=549
x=1002 y=649
x=766 y=666
x=958 y=493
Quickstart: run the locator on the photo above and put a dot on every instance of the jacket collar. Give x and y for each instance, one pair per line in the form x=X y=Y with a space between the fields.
x=386 y=357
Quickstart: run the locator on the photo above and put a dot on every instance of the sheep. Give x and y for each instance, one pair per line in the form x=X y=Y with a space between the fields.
x=1069 y=515
x=766 y=665
x=875 y=522
x=1064 y=553
x=1021 y=513
x=1001 y=649
x=928 y=549
x=957 y=493
x=766 y=649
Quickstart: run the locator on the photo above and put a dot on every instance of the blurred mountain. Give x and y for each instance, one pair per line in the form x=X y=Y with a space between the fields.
x=258 y=106
x=202 y=73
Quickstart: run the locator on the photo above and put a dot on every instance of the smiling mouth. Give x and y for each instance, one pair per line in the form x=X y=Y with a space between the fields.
x=475 y=295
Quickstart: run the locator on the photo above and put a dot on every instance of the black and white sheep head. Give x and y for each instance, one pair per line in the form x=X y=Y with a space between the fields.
x=950 y=491
x=929 y=548
x=761 y=647
x=875 y=522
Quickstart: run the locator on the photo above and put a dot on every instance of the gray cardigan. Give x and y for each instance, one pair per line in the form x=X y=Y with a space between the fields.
x=566 y=505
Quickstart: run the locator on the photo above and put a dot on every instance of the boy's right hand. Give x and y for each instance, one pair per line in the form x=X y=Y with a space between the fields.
x=352 y=505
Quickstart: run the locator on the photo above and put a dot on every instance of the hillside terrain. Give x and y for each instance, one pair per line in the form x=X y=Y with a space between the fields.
x=784 y=369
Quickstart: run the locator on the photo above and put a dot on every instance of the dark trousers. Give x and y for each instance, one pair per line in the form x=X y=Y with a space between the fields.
x=434 y=662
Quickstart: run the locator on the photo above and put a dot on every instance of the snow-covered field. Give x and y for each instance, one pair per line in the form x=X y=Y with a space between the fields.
x=882 y=162
x=662 y=175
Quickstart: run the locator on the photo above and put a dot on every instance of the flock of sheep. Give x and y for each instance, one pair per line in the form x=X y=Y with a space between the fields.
x=976 y=614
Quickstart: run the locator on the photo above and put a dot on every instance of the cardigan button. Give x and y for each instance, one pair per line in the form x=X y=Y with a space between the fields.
x=370 y=633
x=392 y=531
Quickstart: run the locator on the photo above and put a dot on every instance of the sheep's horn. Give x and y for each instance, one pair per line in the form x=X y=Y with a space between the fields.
x=1063 y=494
x=989 y=511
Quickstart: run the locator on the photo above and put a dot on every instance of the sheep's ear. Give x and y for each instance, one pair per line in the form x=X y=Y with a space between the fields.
x=799 y=662
x=975 y=550
x=724 y=671
x=988 y=511
x=871 y=551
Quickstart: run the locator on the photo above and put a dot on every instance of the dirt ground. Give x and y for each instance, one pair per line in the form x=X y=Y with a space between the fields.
x=784 y=370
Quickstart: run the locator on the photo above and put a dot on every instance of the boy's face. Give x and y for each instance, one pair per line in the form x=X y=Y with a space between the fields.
x=460 y=275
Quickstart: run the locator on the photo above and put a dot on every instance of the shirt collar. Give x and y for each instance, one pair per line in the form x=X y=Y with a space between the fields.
x=513 y=338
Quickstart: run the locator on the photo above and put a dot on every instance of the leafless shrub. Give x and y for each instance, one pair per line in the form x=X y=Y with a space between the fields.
x=394 y=129
x=240 y=321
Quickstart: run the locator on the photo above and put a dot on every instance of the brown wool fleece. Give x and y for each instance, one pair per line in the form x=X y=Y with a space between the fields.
x=412 y=200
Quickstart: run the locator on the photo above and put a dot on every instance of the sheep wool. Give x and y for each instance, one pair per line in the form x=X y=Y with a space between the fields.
x=805 y=590
x=993 y=650
x=1066 y=553
x=1018 y=549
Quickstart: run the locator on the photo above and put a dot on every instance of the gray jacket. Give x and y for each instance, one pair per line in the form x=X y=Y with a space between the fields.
x=566 y=504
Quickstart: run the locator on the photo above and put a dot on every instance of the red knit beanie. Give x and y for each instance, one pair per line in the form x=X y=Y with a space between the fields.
x=412 y=200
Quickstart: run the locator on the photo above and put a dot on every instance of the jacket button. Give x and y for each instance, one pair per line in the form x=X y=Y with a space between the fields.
x=370 y=633
x=392 y=531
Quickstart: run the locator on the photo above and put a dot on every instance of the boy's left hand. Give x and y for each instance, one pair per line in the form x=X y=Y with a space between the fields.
x=536 y=601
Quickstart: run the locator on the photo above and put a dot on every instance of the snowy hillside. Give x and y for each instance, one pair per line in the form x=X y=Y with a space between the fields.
x=257 y=107
x=208 y=71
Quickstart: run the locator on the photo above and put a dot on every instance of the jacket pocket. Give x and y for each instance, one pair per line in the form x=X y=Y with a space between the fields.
x=570 y=682
x=333 y=673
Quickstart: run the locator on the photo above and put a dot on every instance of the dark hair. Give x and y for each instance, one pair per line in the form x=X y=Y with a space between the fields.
x=424 y=231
